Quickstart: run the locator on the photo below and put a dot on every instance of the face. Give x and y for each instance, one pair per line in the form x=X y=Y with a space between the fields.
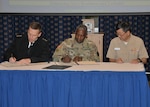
x=123 y=35
x=80 y=36
x=33 y=34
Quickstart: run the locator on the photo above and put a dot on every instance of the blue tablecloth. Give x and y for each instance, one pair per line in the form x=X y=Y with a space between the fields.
x=73 y=89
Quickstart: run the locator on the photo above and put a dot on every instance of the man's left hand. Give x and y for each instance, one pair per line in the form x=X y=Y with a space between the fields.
x=77 y=58
x=24 y=61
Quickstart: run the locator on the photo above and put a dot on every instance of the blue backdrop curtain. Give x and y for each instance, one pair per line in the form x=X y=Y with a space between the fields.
x=56 y=28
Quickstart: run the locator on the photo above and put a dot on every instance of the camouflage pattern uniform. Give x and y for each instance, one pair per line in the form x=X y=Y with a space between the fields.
x=87 y=50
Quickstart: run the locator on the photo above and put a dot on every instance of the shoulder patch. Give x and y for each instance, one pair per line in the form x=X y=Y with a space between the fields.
x=18 y=35
x=44 y=39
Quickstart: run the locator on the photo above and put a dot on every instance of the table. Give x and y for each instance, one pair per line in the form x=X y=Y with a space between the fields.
x=71 y=87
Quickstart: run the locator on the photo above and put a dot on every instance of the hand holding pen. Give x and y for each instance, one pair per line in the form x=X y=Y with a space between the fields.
x=77 y=58
x=119 y=60
x=12 y=59
x=66 y=59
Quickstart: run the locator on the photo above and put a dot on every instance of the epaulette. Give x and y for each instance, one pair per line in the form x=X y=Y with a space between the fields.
x=18 y=35
x=44 y=39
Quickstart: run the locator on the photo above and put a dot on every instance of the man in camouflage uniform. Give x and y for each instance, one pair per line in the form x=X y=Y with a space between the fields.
x=76 y=49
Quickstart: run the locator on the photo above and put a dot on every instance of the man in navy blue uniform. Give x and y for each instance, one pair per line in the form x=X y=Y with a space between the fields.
x=29 y=48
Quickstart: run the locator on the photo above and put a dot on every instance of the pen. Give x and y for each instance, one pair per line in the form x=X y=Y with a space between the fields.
x=11 y=55
x=76 y=62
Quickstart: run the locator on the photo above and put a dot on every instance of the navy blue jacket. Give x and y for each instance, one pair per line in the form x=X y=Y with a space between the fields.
x=39 y=52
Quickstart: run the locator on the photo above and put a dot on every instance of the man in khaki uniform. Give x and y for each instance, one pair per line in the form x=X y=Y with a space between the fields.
x=126 y=47
x=76 y=49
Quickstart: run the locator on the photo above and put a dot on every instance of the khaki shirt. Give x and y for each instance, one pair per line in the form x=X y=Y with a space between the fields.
x=87 y=50
x=133 y=49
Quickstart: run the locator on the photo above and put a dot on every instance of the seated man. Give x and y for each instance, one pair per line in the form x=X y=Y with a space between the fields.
x=76 y=49
x=126 y=47
x=29 y=48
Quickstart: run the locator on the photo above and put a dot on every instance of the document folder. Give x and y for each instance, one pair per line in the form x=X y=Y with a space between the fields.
x=57 y=67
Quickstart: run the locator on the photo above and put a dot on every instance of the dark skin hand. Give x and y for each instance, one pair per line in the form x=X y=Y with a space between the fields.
x=66 y=59
x=77 y=58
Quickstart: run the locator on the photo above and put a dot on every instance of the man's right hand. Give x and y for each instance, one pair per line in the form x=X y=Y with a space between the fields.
x=119 y=60
x=66 y=59
x=12 y=59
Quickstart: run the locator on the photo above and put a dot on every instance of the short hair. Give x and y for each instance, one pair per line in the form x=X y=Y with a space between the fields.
x=125 y=26
x=81 y=27
x=36 y=25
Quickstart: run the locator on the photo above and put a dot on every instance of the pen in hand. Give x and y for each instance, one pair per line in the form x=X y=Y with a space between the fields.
x=76 y=62
x=12 y=59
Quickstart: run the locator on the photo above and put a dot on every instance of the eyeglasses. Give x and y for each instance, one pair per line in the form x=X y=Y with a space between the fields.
x=120 y=34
